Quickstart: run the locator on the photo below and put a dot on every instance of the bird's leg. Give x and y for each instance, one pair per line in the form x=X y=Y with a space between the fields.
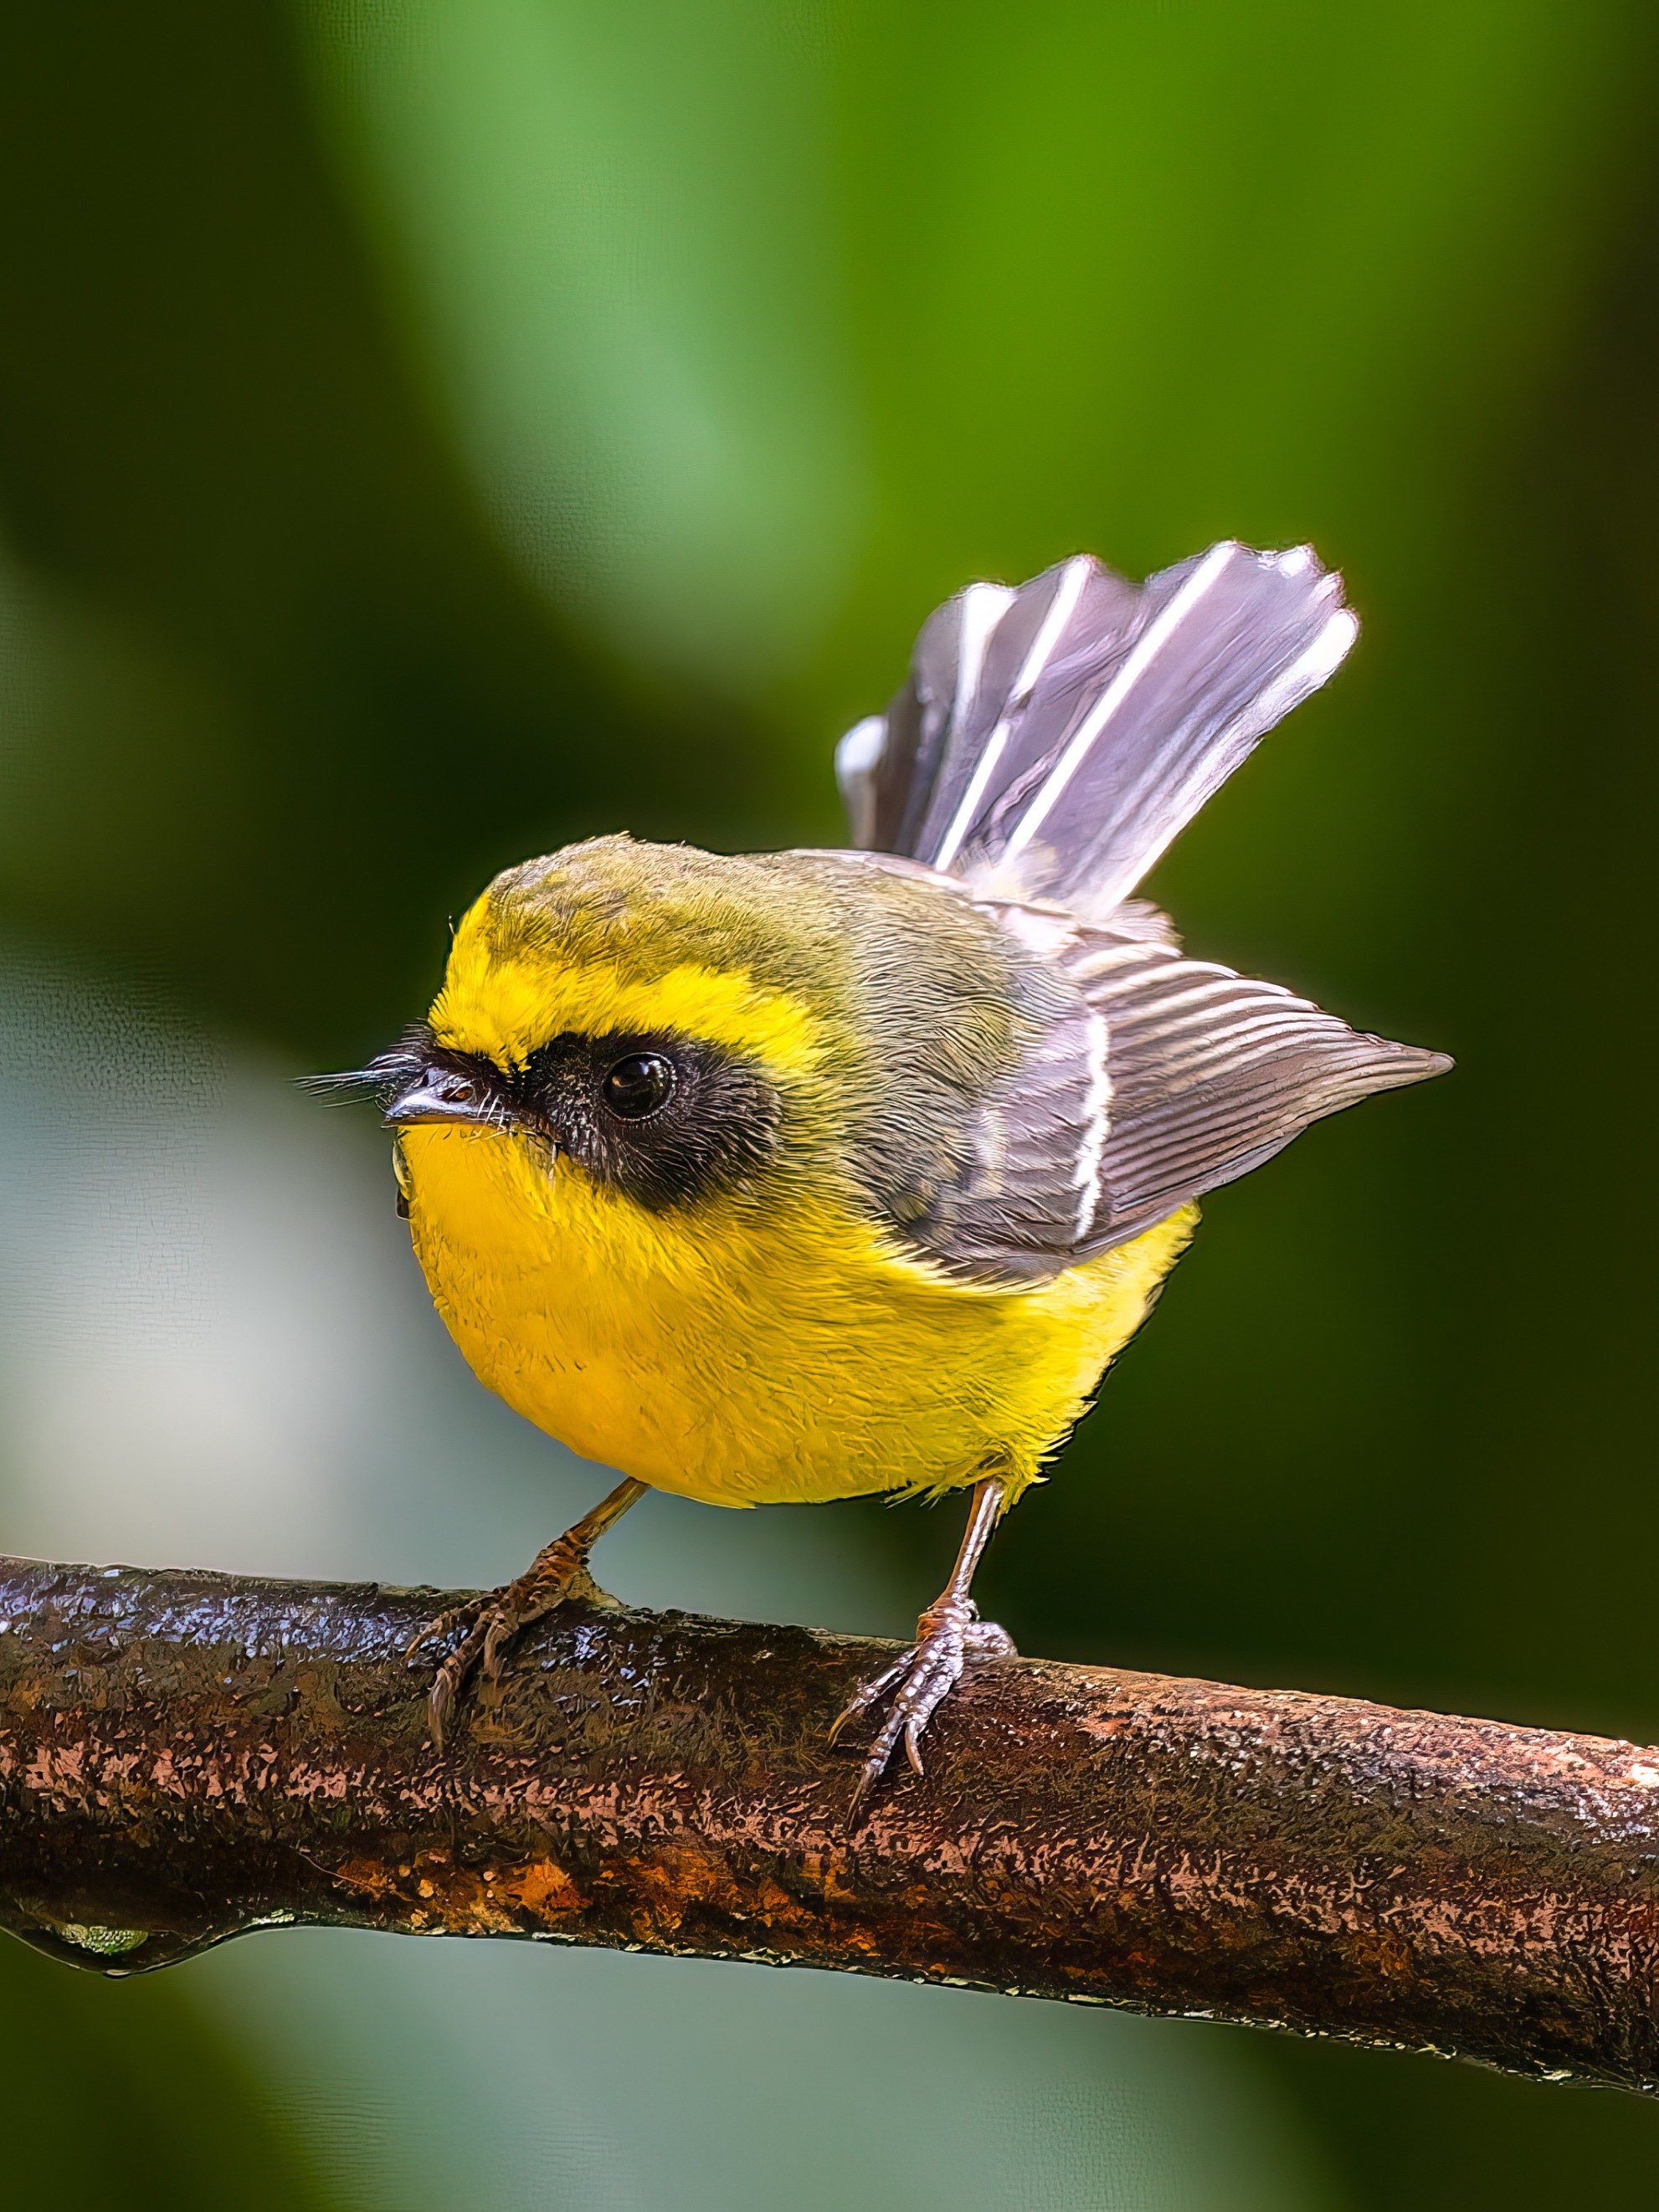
x=948 y=1635
x=559 y=1570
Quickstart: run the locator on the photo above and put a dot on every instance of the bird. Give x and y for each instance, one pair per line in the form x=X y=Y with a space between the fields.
x=817 y=1174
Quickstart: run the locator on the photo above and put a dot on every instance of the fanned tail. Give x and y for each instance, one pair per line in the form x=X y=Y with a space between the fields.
x=1050 y=743
x=1052 y=740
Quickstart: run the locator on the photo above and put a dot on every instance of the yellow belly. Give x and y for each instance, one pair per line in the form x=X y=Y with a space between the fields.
x=744 y=1357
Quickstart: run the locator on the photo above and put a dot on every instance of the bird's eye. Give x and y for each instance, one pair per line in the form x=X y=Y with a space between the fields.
x=638 y=1087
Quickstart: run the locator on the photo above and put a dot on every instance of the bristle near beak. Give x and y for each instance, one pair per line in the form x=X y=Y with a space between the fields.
x=438 y=1095
x=415 y=1085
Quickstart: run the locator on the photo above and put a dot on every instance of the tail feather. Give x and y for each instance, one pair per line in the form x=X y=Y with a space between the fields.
x=1052 y=740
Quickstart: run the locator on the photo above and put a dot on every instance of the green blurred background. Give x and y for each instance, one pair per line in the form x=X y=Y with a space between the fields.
x=434 y=429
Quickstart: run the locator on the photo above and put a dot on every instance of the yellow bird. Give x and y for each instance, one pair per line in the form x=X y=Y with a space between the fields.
x=810 y=1175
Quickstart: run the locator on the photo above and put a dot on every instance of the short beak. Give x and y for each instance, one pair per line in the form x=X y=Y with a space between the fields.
x=438 y=1095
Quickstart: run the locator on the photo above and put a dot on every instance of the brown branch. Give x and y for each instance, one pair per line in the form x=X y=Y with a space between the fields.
x=184 y=1756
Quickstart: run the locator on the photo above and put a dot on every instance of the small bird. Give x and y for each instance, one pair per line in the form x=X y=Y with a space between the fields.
x=810 y=1175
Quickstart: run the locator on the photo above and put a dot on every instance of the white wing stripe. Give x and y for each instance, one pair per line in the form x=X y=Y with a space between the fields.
x=1158 y=1003
x=1169 y=1121
x=1096 y=1129
x=1249 y=1038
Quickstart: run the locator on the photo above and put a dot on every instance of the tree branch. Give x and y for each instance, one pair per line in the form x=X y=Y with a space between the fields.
x=184 y=1756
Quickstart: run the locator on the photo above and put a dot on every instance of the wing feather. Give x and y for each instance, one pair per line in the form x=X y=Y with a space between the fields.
x=1211 y=1073
x=1166 y=1078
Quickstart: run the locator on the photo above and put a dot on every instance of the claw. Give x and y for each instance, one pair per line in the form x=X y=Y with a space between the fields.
x=862 y=1699
x=949 y=1636
x=558 y=1571
x=491 y=1623
x=435 y=1630
x=912 y=1742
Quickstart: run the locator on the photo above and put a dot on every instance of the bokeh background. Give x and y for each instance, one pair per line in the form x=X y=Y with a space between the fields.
x=434 y=429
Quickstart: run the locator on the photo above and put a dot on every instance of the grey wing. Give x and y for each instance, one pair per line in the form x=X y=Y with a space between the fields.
x=1170 y=1078
x=1027 y=1192
x=1211 y=1073
x=1052 y=741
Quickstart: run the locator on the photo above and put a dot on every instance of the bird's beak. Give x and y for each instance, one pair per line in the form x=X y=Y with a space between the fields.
x=440 y=1095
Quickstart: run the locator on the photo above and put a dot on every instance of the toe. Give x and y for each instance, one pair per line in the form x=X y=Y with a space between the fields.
x=450 y=1677
x=865 y=1697
x=951 y=1636
x=919 y=1680
x=499 y=1627
x=913 y=1728
x=445 y=1624
x=875 y=1763
x=440 y=1704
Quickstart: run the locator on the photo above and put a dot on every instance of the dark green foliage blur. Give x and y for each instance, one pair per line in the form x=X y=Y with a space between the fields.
x=1098 y=274
x=120 y=2106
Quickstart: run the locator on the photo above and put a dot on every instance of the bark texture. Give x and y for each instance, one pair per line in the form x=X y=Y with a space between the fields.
x=185 y=1756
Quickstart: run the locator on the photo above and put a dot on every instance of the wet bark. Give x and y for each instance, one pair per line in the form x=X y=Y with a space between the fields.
x=185 y=1756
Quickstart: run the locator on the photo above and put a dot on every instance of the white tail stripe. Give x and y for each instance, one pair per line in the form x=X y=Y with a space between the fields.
x=1305 y=673
x=1159 y=632
x=857 y=758
x=1061 y=608
x=983 y=606
x=859 y=752
x=1311 y=667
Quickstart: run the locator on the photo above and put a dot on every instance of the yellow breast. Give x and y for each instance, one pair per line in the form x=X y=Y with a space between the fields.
x=745 y=1357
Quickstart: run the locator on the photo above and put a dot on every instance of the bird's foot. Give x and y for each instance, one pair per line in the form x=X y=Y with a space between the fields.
x=494 y=1619
x=948 y=1635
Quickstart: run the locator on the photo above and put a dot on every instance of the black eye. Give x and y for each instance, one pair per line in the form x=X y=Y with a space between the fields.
x=640 y=1086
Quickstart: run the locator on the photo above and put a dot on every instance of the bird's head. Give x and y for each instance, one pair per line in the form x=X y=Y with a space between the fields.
x=670 y=1027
